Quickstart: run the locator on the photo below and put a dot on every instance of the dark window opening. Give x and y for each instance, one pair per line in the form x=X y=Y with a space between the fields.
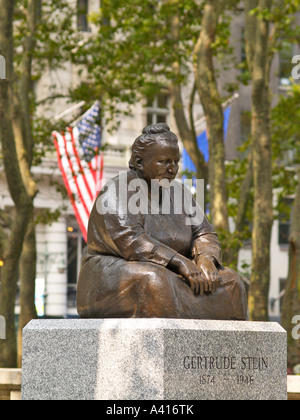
x=82 y=16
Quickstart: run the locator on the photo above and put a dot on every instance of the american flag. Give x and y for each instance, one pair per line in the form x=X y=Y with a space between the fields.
x=81 y=163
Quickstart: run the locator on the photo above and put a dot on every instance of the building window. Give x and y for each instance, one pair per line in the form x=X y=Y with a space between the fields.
x=285 y=222
x=158 y=109
x=82 y=15
x=244 y=66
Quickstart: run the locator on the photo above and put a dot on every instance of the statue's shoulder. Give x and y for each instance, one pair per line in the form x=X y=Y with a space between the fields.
x=117 y=186
x=125 y=176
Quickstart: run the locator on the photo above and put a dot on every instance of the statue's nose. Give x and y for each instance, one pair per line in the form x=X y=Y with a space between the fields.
x=172 y=169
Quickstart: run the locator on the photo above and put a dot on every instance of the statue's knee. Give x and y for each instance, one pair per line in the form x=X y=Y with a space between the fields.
x=232 y=277
x=154 y=281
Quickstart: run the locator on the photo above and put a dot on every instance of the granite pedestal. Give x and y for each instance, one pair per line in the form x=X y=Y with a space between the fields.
x=153 y=359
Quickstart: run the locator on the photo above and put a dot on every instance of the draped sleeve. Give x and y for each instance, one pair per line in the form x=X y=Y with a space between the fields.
x=116 y=231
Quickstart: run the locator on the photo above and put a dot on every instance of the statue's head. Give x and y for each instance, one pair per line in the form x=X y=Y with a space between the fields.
x=155 y=154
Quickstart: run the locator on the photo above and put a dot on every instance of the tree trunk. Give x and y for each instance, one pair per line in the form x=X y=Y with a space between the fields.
x=187 y=135
x=262 y=165
x=9 y=279
x=25 y=145
x=27 y=271
x=212 y=105
x=245 y=193
x=7 y=294
x=18 y=192
x=22 y=103
x=186 y=130
x=291 y=300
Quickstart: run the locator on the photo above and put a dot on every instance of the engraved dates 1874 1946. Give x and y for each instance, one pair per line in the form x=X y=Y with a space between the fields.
x=239 y=370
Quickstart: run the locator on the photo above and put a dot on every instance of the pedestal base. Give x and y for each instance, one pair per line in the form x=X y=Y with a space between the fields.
x=153 y=359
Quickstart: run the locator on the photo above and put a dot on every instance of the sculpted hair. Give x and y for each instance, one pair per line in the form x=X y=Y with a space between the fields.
x=152 y=134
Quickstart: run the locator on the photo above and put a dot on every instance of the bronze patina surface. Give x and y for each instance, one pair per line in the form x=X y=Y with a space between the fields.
x=147 y=260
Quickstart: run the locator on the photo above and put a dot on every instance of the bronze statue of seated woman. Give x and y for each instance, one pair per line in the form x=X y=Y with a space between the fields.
x=145 y=262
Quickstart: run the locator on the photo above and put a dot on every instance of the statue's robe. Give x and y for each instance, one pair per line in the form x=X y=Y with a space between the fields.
x=125 y=272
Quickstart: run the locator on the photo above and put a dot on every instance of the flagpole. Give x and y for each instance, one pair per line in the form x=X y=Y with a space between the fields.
x=225 y=105
x=74 y=123
x=68 y=111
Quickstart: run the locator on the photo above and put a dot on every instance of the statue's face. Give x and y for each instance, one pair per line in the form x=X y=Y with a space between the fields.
x=161 y=162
